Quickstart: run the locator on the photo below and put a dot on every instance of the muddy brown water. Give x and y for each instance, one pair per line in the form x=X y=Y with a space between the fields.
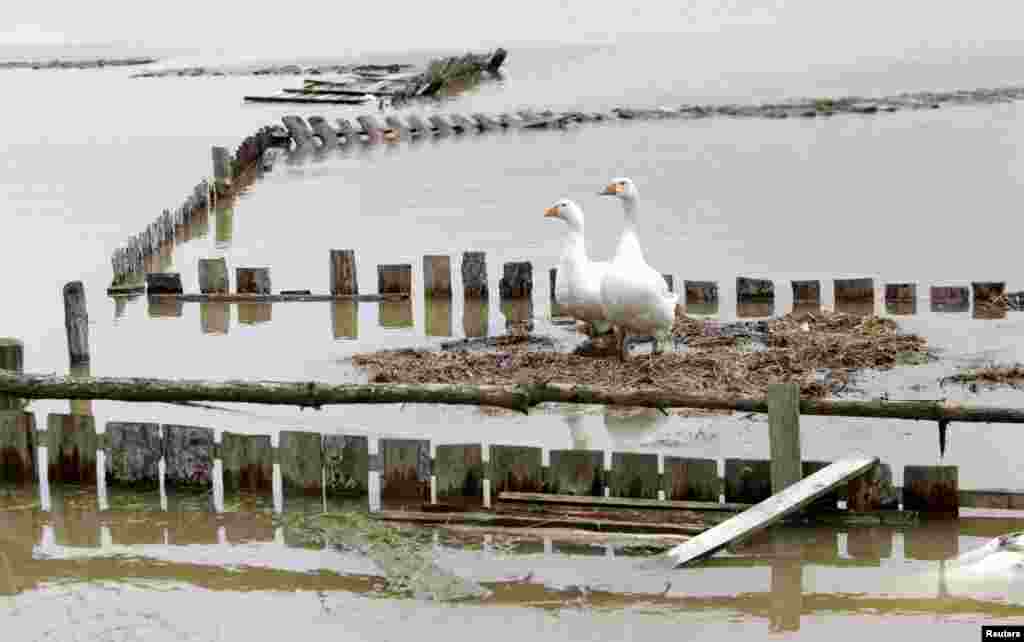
x=912 y=196
x=136 y=565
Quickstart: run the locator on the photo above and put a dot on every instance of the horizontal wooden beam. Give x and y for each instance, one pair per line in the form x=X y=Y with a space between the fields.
x=519 y=397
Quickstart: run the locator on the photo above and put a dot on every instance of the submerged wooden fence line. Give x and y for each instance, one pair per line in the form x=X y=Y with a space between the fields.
x=69 y=449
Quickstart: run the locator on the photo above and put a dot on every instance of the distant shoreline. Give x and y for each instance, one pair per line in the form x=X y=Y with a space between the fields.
x=89 y=63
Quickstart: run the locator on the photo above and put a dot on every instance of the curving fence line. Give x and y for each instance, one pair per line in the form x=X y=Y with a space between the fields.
x=299 y=137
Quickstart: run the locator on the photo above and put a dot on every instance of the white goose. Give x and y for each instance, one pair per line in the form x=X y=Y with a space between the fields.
x=635 y=296
x=578 y=280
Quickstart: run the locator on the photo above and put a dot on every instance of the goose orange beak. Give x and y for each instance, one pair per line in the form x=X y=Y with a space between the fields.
x=611 y=190
x=551 y=212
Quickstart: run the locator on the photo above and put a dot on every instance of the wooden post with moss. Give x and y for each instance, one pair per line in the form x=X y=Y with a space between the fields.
x=76 y=322
x=221 y=168
x=343 y=273
x=784 y=434
x=12 y=358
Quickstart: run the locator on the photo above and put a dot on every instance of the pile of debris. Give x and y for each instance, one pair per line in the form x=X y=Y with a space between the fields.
x=740 y=359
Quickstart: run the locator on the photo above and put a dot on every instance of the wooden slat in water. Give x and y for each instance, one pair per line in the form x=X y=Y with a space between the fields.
x=626 y=502
x=771 y=510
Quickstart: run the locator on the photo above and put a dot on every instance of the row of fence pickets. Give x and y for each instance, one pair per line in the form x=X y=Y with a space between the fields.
x=407 y=467
x=517 y=282
x=128 y=262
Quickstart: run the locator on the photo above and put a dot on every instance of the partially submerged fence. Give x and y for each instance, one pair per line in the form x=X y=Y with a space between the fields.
x=71 y=449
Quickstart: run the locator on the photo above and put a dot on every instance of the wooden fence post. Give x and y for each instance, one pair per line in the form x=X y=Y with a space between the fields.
x=12 y=357
x=343 y=273
x=784 y=434
x=76 y=322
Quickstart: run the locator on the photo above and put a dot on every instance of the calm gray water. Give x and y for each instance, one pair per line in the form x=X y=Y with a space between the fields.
x=92 y=157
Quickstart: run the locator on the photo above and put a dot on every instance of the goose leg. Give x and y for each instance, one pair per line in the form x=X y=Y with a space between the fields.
x=622 y=342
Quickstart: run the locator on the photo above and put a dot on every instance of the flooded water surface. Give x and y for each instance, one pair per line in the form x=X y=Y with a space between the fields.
x=92 y=157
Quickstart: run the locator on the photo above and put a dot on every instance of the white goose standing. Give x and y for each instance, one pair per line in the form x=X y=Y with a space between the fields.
x=578 y=280
x=635 y=296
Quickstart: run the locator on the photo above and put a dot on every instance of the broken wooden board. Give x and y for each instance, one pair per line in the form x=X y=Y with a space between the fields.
x=546 y=521
x=771 y=510
x=625 y=502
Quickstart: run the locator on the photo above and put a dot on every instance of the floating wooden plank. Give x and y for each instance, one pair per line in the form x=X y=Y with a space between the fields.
x=545 y=521
x=770 y=510
x=624 y=502
x=305 y=100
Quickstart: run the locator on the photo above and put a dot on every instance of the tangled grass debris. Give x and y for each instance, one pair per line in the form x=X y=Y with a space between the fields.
x=989 y=375
x=739 y=359
x=402 y=554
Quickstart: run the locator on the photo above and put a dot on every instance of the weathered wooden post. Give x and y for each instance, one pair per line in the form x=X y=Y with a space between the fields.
x=517 y=281
x=784 y=434
x=437 y=291
x=806 y=292
x=343 y=273
x=474 y=275
x=441 y=124
x=949 y=298
x=12 y=357
x=932 y=490
x=394 y=278
x=76 y=322
x=213 y=276
x=299 y=131
x=163 y=283
x=221 y=168
x=328 y=137
x=437 y=276
x=252 y=280
x=901 y=298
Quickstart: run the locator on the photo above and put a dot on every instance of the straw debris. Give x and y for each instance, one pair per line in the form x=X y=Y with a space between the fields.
x=990 y=375
x=739 y=359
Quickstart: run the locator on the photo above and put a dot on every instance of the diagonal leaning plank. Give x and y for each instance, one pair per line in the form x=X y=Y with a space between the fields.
x=771 y=510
